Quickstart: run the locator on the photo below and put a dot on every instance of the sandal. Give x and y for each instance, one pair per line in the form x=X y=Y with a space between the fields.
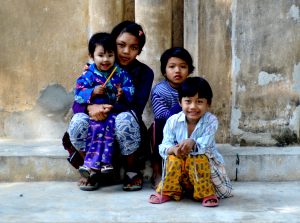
x=158 y=198
x=210 y=201
x=133 y=184
x=107 y=168
x=84 y=172
x=88 y=184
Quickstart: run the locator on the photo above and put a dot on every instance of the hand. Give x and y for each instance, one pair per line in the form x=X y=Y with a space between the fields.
x=175 y=150
x=99 y=112
x=99 y=90
x=186 y=146
x=120 y=91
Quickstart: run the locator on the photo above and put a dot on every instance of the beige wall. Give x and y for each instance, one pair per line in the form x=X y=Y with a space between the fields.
x=248 y=50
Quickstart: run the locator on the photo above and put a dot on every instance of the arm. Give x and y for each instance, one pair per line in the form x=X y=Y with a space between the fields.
x=205 y=141
x=84 y=88
x=126 y=89
x=159 y=105
x=169 y=140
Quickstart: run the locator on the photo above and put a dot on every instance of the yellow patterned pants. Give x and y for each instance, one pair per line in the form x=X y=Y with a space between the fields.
x=192 y=174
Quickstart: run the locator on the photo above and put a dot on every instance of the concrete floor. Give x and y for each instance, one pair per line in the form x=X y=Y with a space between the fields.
x=64 y=202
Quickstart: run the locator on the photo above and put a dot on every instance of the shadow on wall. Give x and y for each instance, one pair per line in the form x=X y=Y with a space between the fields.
x=47 y=120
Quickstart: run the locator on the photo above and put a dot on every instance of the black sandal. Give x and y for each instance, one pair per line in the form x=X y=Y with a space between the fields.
x=133 y=184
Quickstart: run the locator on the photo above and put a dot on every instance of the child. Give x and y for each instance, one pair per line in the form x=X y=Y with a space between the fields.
x=188 y=148
x=104 y=82
x=176 y=66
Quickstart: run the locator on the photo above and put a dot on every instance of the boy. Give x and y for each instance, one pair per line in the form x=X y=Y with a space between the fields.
x=188 y=147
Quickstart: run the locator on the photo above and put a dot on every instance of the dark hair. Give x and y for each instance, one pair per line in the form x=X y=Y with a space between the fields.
x=132 y=28
x=193 y=85
x=178 y=52
x=103 y=39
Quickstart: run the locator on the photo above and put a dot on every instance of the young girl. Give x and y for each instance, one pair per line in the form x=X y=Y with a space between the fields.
x=176 y=66
x=189 y=149
x=104 y=82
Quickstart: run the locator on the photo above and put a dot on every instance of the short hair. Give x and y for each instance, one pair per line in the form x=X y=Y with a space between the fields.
x=193 y=85
x=178 y=52
x=132 y=28
x=103 y=39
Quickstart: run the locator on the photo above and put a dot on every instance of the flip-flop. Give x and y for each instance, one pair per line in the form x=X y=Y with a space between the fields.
x=89 y=187
x=210 y=201
x=158 y=198
x=88 y=184
x=133 y=184
x=84 y=172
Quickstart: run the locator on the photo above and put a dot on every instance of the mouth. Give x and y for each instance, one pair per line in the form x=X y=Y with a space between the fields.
x=177 y=77
x=105 y=66
x=124 y=59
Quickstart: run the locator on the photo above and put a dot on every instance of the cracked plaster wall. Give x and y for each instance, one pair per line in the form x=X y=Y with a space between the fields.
x=249 y=51
x=266 y=55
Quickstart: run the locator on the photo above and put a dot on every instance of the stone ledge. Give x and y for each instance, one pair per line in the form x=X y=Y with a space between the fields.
x=45 y=160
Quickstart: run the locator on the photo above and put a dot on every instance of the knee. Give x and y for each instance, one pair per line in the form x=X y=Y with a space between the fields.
x=78 y=125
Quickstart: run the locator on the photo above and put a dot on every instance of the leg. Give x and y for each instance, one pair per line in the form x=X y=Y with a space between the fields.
x=156 y=160
x=129 y=139
x=171 y=184
x=199 y=174
x=78 y=130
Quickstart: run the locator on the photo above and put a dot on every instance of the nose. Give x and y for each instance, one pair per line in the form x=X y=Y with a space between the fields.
x=105 y=58
x=193 y=105
x=126 y=49
x=177 y=69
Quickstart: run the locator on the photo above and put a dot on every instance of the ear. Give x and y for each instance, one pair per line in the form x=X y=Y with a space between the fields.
x=180 y=103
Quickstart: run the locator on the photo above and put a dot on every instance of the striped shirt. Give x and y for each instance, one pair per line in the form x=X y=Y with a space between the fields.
x=163 y=99
x=176 y=131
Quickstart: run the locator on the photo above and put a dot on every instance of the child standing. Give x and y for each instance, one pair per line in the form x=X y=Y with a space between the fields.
x=176 y=66
x=188 y=148
x=104 y=82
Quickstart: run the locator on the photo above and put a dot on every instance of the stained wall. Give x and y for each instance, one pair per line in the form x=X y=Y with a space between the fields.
x=248 y=50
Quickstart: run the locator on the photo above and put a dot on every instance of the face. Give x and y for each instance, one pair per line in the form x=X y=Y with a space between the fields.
x=177 y=70
x=104 y=60
x=127 y=48
x=194 y=108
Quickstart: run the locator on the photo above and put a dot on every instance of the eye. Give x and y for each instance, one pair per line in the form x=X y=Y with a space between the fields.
x=200 y=101
x=134 y=48
x=121 y=45
x=184 y=66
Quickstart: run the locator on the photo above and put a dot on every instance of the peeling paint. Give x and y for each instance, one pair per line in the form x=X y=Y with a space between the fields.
x=241 y=88
x=294 y=13
x=296 y=78
x=295 y=121
x=234 y=125
x=265 y=78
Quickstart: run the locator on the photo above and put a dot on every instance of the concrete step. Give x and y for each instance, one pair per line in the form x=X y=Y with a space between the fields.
x=45 y=160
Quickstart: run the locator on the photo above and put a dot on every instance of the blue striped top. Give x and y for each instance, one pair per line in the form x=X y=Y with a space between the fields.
x=164 y=99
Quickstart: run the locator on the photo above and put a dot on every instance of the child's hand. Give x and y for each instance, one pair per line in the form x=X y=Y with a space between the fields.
x=186 y=146
x=175 y=150
x=120 y=91
x=99 y=89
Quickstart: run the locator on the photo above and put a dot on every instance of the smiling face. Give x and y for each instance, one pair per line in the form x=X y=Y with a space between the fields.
x=177 y=71
x=194 y=108
x=104 y=60
x=127 y=48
